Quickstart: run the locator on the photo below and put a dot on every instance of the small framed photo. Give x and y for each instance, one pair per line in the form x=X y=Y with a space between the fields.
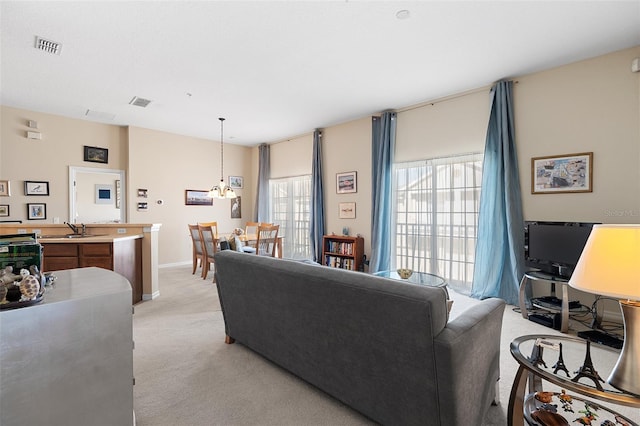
x=196 y=197
x=347 y=211
x=236 y=182
x=142 y=192
x=5 y=189
x=36 y=188
x=96 y=155
x=562 y=173
x=236 y=208
x=346 y=183
x=4 y=210
x=36 y=211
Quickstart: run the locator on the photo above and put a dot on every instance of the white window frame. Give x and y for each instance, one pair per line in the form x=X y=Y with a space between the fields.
x=290 y=207
x=450 y=213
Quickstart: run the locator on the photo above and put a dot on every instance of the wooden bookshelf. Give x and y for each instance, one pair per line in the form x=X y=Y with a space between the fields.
x=343 y=252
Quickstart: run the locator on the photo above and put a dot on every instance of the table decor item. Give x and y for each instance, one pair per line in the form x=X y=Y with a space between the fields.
x=404 y=273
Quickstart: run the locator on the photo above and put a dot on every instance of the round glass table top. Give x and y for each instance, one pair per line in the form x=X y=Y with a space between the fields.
x=422 y=278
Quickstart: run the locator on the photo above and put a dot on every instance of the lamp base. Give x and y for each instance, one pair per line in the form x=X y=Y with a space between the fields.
x=626 y=373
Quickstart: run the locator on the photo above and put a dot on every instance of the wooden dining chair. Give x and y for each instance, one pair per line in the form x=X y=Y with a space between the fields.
x=210 y=247
x=250 y=228
x=197 y=247
x=267 y=240
x=213 y=225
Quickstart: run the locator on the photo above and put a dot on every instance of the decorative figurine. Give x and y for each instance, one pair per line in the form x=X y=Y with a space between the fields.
x=7 y=276
x=29 y=287
x=559 y=365
x=3 y=293
x=588 y=370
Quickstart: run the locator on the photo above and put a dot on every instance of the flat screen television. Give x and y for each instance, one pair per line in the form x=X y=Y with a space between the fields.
x=555 y=247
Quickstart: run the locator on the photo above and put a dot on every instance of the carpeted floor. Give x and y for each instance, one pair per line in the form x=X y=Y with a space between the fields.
x=187 y=376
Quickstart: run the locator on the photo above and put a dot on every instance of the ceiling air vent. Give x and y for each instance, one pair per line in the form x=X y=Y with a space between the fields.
x=48 y=45
x=141 y=102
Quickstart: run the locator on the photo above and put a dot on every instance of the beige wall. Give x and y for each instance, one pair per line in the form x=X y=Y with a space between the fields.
x=592 y=105
x=589 y=106
x=49 y=159
x=347 y=148
x=164 y=164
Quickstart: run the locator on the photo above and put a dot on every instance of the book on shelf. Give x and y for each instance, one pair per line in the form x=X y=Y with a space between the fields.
x=339 y=262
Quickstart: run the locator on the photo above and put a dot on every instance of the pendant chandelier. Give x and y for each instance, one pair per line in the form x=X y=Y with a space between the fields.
x=222 y=190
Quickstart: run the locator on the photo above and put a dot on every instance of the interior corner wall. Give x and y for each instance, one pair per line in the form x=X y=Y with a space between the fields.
x=166 y=165
x=588 y=106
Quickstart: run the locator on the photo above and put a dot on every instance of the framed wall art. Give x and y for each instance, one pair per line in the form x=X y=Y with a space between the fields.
x=96 y=155
x=346 y=183
x=36 y=211
x=104 y=194
x=197 y=197
x=4 y=188
x=236 y=182
x=36 y=187
x=4 y=210
x=236 y=208
x=562 y=173
x=347 y=211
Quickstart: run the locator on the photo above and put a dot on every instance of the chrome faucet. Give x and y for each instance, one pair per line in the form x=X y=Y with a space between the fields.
x=73 y=227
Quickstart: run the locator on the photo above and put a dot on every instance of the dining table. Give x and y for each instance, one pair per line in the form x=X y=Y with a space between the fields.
x=252 y=238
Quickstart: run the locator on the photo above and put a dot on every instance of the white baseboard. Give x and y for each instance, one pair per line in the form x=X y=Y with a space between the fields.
x=169 y=265
x=147 y=296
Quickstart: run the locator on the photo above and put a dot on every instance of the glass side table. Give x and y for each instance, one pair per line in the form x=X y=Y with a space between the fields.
x=573 y=364
x=420 y=278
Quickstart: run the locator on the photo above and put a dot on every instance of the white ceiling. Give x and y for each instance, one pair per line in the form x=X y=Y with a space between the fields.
x=277 y=70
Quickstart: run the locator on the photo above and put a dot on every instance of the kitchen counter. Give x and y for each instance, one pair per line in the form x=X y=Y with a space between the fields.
x=69 y=359
x=115 y=233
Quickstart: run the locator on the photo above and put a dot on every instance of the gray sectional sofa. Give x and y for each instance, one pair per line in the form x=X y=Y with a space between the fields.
x=381 y=346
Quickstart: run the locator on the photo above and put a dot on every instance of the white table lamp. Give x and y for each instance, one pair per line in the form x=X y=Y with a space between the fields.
x=610 y=265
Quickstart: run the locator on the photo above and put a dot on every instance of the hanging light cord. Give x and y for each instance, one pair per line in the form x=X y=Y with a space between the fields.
x=221 y=149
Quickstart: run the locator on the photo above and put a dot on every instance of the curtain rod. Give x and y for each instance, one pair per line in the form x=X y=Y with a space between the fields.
x=449 y=98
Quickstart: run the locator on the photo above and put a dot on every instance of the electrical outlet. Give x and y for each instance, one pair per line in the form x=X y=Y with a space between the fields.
x=36 y=231
x=22 y=231
x=122 y=230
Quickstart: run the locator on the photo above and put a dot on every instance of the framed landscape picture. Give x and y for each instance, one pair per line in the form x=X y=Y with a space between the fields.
x=96 y=155
x=197 y=197
x=562 y=173
x=236 y=182
x=346 y=183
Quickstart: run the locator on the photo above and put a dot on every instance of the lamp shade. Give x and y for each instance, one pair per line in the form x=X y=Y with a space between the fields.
x=610 y=262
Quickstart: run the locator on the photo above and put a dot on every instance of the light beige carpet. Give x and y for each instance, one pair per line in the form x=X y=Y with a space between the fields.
x=186 y=375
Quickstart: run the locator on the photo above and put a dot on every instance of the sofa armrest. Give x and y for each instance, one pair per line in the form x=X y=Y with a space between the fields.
x=467 y=355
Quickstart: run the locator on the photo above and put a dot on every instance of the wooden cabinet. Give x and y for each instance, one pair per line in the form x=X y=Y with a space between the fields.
x=122 y=256
x=343 y=252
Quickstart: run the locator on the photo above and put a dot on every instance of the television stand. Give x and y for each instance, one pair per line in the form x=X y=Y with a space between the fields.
x=597 y=336
x=563 y=308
